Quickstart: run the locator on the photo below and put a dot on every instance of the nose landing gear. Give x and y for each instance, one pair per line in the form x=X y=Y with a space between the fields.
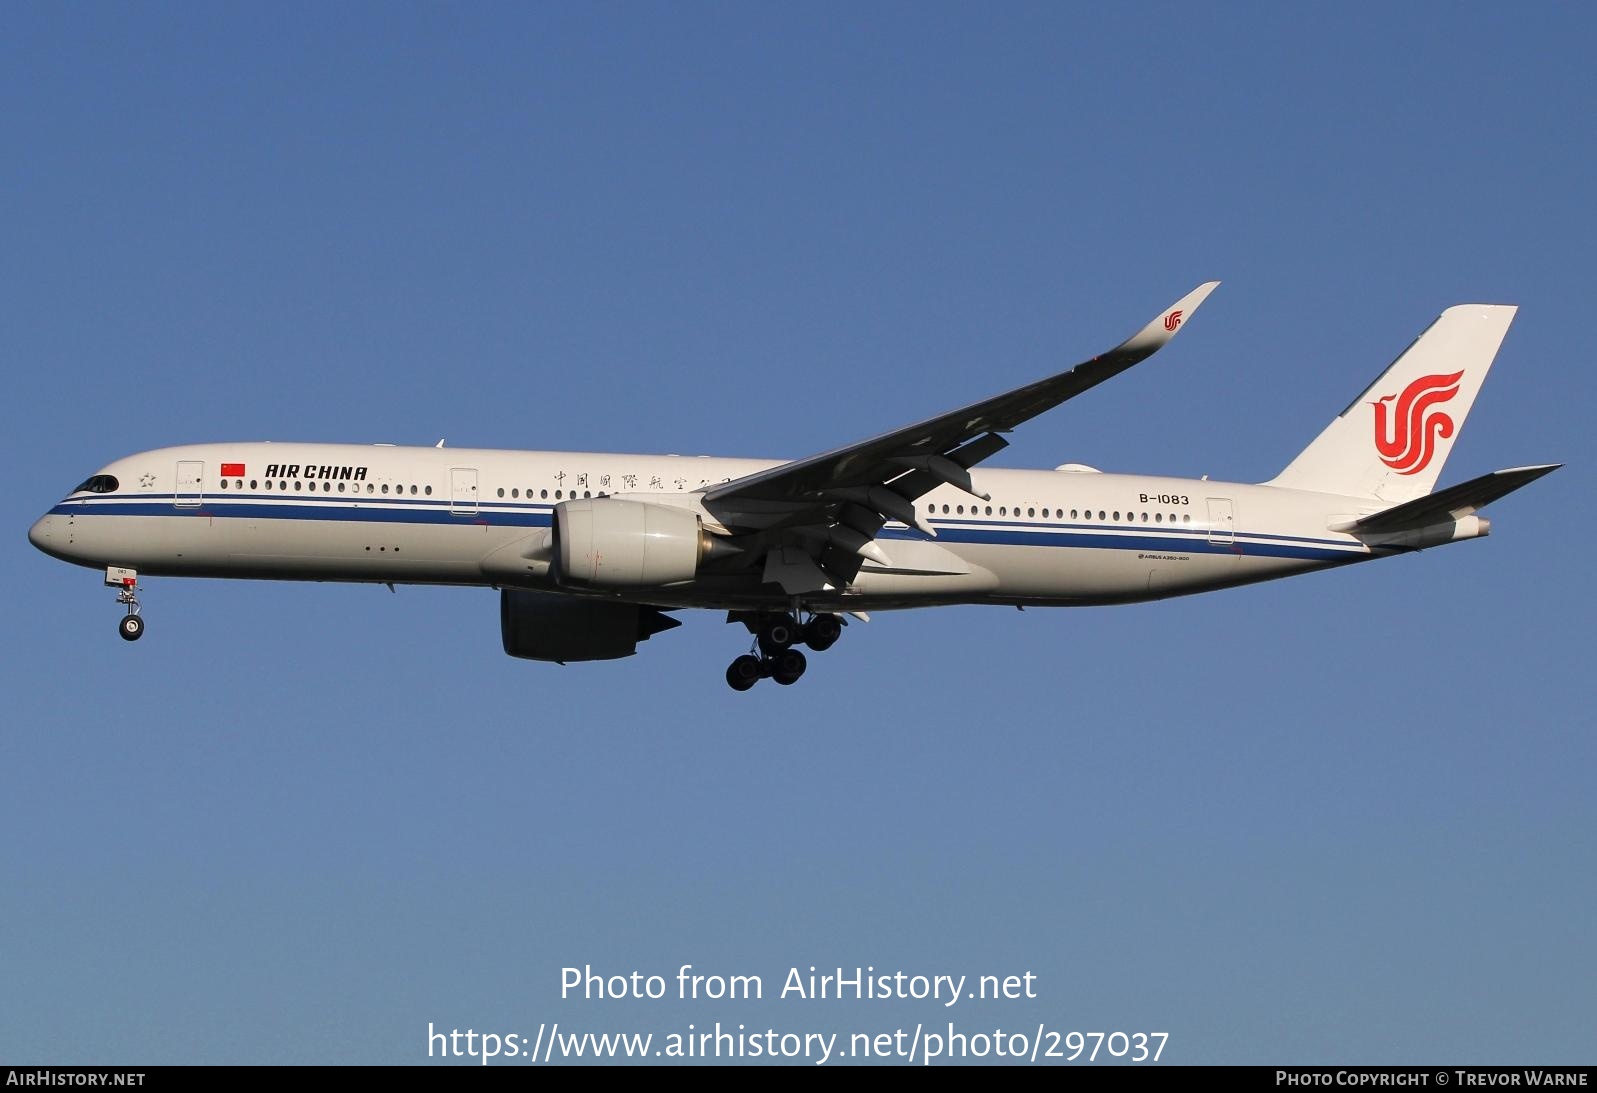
x=774 y=638
x=131 y=625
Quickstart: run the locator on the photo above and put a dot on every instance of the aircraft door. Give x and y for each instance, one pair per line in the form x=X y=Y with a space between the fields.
x=463 y=491
x=190 y=488
x=1222 y=521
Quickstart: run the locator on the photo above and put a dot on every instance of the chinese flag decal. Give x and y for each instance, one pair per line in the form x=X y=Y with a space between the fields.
x=232 y=470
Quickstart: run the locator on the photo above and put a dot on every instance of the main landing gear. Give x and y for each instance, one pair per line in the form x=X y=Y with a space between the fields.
x=774 y=638
x=131 y=625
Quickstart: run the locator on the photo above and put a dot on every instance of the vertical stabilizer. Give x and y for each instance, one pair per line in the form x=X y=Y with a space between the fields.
x=1391 y=441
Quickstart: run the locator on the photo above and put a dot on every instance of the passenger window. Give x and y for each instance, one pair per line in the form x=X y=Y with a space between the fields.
x=541 y=493
x=1031 y=512
x=224 y=483
x=427 y=490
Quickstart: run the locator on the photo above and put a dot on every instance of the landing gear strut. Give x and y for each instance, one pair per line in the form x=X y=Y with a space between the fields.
x=774 y=638
x=131 y=625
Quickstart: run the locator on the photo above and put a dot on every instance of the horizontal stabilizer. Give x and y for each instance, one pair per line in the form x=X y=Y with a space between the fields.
x=1453 y=503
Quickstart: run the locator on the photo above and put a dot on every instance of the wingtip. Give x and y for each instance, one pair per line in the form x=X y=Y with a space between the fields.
x=1168 y=322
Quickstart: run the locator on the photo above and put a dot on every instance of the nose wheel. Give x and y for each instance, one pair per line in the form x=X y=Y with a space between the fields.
x=773 y=656
x=131 y=625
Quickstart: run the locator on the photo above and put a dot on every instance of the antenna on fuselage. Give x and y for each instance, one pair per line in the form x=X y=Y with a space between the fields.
x=440 y=443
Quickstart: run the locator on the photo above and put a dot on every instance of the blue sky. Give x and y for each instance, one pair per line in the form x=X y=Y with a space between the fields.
x=1343 y=818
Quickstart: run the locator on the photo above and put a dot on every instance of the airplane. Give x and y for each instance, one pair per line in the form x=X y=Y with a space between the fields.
x=590 y=551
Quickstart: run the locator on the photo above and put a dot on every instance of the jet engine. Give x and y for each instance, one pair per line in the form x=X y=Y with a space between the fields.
x=549 y=626
x=611 y=542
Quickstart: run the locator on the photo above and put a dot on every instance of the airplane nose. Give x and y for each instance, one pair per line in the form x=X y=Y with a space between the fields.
x=44 y=536
x=52 y=533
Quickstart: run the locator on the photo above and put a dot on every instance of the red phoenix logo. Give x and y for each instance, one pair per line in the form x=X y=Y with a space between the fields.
x=1408 y=440
x=1172 y=320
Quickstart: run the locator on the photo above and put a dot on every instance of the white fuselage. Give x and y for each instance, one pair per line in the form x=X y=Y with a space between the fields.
x=464 y=516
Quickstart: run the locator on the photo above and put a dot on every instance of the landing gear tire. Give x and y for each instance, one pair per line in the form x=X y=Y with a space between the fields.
x=788 y=666
x=131 y=628
x=822 y=632
x=778 y=634
x=743 y=673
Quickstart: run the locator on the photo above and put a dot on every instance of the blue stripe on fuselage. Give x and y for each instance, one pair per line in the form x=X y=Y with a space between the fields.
x=1103 y=539
x=420 y=512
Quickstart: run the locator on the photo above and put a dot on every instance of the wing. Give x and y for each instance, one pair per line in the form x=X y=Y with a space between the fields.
x=831 y=506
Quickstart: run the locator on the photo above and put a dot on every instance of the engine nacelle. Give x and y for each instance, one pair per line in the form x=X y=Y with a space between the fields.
x=610 y=542
x=548 y=626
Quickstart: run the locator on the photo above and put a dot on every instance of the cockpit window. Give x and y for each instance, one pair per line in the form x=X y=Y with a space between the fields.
x=100 y=483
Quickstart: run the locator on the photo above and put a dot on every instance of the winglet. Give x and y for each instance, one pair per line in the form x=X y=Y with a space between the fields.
x=1165 y=325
